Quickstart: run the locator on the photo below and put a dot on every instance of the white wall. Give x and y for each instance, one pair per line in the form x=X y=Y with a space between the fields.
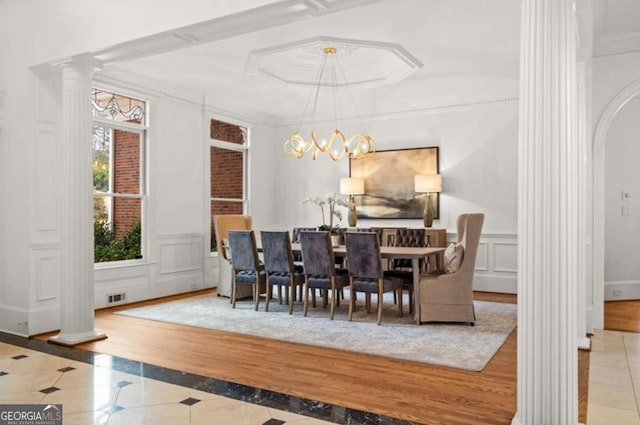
x=478 y=149
x=478 y=162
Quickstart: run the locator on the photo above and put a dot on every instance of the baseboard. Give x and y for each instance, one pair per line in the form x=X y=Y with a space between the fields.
x=622 y=290
x=493 y=282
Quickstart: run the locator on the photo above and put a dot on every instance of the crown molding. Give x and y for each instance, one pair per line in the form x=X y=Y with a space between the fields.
x=607 y=46
x=298 y=62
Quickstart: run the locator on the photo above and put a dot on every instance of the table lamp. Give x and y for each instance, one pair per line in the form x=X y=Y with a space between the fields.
x=352 y=186
x=428 y=183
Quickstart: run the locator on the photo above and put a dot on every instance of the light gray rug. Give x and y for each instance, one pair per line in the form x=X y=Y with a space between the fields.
x=453 y=345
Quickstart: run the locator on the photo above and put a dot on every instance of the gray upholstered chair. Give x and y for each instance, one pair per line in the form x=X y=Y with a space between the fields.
x=365 y=271
x=245 y=262
x=319 y=268
x=295 y=233
x=402 y=267
x=278 y=264
x=449 y=297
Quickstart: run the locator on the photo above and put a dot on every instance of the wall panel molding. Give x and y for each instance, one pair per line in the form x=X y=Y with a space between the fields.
x=496 y=267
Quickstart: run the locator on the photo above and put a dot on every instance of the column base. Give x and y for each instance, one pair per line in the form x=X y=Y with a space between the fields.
x=584 y=343
x=70 y=340
x=516 y=421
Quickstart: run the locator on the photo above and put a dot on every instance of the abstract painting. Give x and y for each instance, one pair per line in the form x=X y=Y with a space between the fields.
x=388 y=183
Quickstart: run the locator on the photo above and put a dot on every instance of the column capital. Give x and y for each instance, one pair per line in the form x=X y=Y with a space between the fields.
x=83 y=63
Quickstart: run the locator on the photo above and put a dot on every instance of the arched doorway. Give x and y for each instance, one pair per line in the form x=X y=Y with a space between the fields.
x=600 y=137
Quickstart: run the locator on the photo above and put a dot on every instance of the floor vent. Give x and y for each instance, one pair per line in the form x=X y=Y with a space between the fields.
x=115 y=298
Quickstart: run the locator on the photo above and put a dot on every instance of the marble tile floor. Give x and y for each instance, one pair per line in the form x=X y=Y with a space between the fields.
x=101 y=389
x=614 y=379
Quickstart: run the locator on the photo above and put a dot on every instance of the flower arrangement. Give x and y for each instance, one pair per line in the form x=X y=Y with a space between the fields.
x=330 y=201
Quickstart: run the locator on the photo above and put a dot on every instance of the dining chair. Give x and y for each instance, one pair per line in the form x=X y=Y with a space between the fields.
x=365 y=271
x=279 y=266
x=319 y=268
x=245 y=262
x=402 y=267
x=448 y=296
x=222 y=223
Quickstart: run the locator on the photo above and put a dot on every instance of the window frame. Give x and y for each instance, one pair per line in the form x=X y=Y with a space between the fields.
x=142 y=130
x=245 y=150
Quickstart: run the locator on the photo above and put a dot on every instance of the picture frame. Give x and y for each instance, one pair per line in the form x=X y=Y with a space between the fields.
x=389 y=183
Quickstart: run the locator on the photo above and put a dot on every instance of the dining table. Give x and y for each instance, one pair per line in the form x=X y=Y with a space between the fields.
x=415 y=254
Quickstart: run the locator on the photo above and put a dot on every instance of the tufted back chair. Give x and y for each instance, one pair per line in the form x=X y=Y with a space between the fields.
x=408 y=237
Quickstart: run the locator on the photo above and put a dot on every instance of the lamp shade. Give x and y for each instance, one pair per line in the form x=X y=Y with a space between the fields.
x=426 y=183
x=351 y=186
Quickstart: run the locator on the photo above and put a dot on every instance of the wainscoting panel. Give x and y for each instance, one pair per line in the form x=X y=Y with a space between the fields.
x=125 y=284
x=181 y=264
x=46 y=274
x=46 y=184
x=496 y=263
x=505 y=256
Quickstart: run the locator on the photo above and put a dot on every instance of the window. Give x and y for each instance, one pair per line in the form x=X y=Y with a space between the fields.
x=118 y=175
x=228 y=159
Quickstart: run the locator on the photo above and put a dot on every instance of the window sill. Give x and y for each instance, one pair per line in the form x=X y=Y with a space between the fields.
x=120 y=264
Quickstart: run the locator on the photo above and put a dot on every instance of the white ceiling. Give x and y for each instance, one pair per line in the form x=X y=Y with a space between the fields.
x=466 y=51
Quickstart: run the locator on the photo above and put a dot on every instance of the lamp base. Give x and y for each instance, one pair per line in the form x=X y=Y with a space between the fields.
x=352 y=216
x=428 y=212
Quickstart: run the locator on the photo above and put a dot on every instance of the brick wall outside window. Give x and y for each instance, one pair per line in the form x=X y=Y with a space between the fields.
x=227 y=172
x=126 y=179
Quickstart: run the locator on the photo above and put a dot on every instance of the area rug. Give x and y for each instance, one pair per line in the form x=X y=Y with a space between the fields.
x=454 y=345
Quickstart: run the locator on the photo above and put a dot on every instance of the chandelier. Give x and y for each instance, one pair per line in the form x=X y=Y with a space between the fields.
x=337 y=145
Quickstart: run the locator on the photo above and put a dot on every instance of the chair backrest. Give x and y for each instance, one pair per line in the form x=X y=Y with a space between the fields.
x=276 y=250
x=469 y=231
x=353 y=229
x=223 y=223
x=363 y=255
x=295 y=234
x=244 y=252
x=317 y=253
x=410 y=237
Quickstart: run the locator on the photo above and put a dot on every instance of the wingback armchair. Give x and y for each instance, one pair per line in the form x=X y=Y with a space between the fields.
x=448 y=297
x=222 y=224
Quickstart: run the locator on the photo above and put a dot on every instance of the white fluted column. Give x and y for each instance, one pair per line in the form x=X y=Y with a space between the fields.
x=583 y=145
x=77 y=317
x=547 y=210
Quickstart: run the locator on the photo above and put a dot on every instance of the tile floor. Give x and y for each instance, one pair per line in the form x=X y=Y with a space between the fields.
x=614 y=379
x=93 y=391
x=98 y=390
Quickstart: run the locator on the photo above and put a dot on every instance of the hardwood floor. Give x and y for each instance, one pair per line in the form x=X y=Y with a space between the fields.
x=622 y=316
x=402 y=389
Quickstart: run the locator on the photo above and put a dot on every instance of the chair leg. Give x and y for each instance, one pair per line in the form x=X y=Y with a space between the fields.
x=400 y=300
x=367 y=301
x=269 y=292
x=306 y=299
x=333 y=300
x=256 y=295
x=233 y=294
x=279 y=294
x=292 y=289
x=411 y=299
x=395 y=298
x=313 y=297
x=352 y=301
x=379 y=308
